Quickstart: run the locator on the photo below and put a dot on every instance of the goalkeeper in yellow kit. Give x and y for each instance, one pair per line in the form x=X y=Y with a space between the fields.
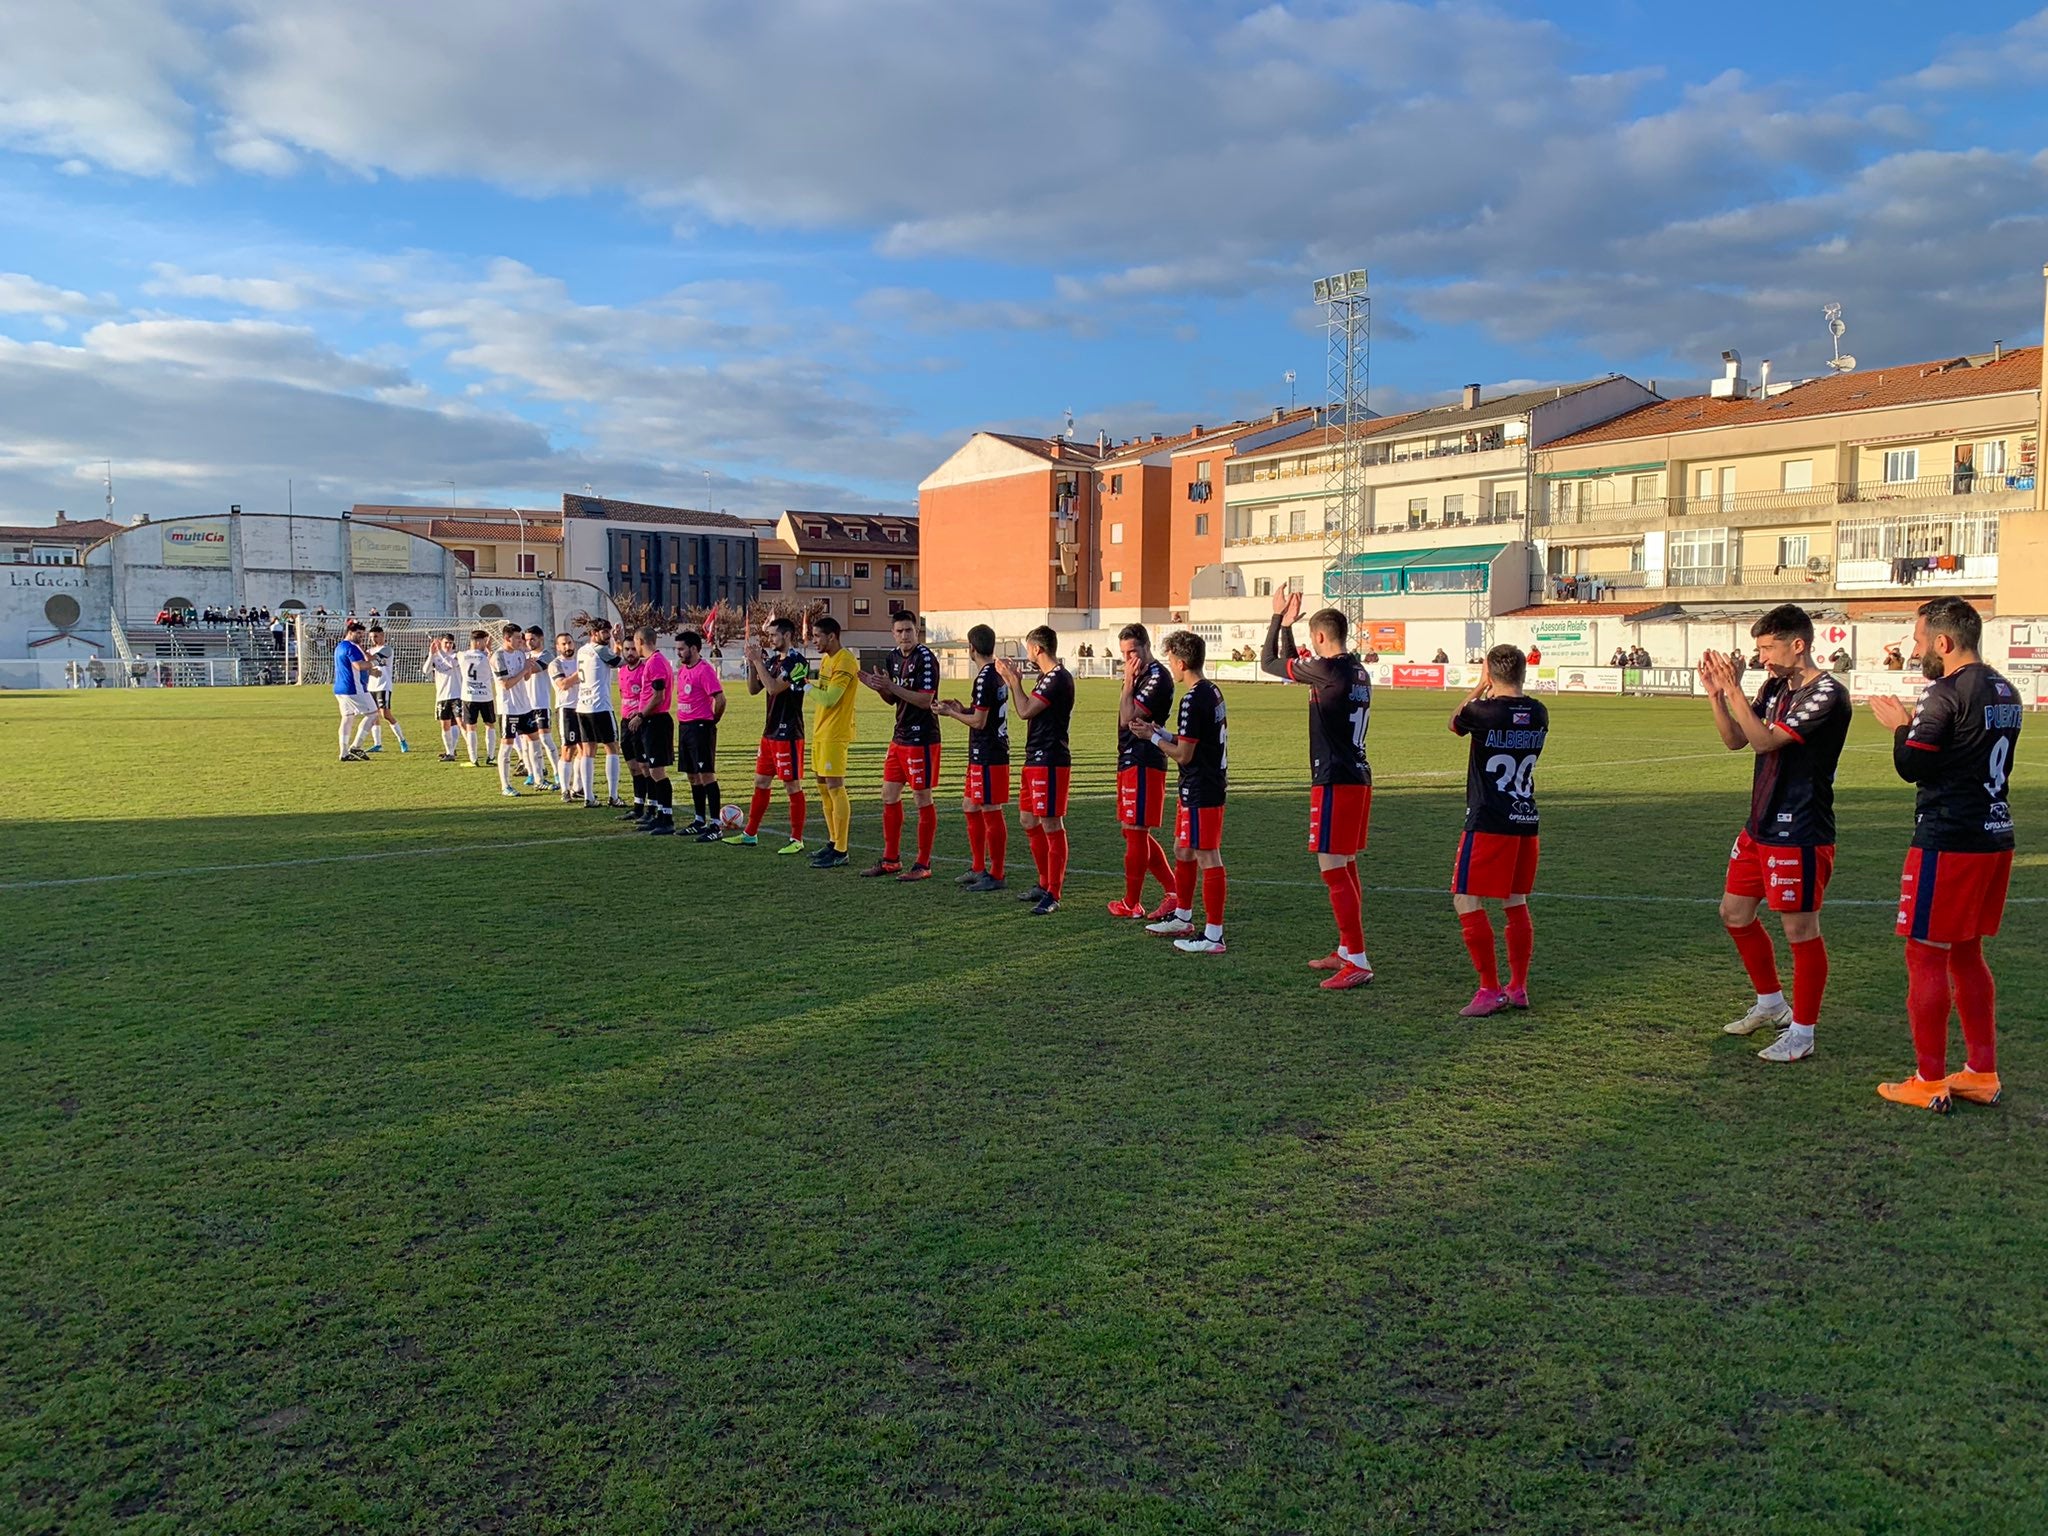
x=835 y=687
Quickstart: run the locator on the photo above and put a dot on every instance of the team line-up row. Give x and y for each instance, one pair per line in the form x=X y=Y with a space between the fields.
x=1956 y=748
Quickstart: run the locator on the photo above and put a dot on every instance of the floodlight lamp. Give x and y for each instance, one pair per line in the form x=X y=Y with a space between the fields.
x=1357 y=278
x=1322 y=289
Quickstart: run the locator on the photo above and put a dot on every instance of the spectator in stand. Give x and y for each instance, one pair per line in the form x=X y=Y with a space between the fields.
x=277 y=633
x=1841 y=661
x=1371 y=657
x=1535 y=655
x=1441 y=658
x=1893 y=661
x=1619 y=658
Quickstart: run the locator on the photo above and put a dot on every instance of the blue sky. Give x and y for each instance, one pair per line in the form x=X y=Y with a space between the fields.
x=375 y=248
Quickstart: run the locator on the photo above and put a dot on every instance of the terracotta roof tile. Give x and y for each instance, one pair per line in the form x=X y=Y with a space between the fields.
x=1868 y=389
x=1079 y=452
x=87 y=530
x=646 y=512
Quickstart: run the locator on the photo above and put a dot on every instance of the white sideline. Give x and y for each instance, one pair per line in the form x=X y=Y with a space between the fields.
x=314 y=860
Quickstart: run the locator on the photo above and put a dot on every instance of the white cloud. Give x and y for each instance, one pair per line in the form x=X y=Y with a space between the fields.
x=2015 y=59
x=266 y=293
x=99 y=83
x=23 y=295
x=254 y=153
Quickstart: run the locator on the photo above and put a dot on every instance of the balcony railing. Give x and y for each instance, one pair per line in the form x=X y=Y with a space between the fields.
x=1970 y=484
x=822 y=583
x=1750 y=578
x=1714 y=504
x=1569 y=517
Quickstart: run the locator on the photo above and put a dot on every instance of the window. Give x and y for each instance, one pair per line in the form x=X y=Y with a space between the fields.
x=815 y=530
x=1116 y=533
x=1563 y=493
x=467 y=557
x=490 y=611
x=1272 y=525
x=1418 y=511
x=771 y=578
x=1704 y=485
x=824 y=605
x=1116 y=485
x=398 y=611
x=1699 y=557
x=1202 y=472
x=61 y=610
x=1991 y=457
x=1454 y=509
x=1901 y=465
x=527 y=567
x=892 y=578
x=1796 y=475
x=1237 y=523
x=860 y=605
x=1505 y=503
x=860 y=570
x=1297 y=522
x=1642 y=488
x=856 y=534
x=1201 y=524
x=1262 y=586
x=1792 y=550
x=1116 y=581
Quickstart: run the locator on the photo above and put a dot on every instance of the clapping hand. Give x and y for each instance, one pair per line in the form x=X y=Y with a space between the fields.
x=1890 y=710
x=1287 y=606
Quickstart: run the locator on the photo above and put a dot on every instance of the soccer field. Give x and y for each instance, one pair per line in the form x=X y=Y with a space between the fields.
x=383 y=1156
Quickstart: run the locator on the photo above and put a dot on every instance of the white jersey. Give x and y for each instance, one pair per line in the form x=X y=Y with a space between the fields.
x=520 y=678
x=380 y=661
x=447 y=676
x=473 y=668
x=597 y=666
x=564 y=693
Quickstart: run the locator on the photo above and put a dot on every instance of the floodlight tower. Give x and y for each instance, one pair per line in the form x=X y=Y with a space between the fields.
x=1347 y=352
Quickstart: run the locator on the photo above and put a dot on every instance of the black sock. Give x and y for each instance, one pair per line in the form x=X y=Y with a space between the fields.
x=696 y=800
x=664 y=798
x=711 y=809
x=639 y=790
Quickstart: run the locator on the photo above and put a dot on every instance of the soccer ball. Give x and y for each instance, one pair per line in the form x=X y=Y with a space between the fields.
x=732 y=818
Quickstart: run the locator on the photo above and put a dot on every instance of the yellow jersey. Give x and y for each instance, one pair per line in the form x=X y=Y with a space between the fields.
x=834 y=685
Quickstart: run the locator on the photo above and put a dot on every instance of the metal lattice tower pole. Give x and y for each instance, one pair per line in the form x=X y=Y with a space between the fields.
x=1347 y=358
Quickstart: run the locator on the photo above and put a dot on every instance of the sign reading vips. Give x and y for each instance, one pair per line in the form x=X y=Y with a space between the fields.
x=379 y=549
x=201 y=541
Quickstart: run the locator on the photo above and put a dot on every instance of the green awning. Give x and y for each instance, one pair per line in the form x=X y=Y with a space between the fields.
x=1455 y=557
x=1379 y=560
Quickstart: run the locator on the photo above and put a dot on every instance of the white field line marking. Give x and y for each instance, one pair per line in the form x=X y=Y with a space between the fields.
x=315 y=860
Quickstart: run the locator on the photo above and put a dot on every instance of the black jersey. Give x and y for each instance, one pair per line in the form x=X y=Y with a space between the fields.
x=786 y=709
x=1792 y=790
x=1202 y=721
x=1045 y=736
x=1500 y=778
x=1152 y=699
x=919 y=672
x=1339 y=706
x=1959 y=749
x=990 y=744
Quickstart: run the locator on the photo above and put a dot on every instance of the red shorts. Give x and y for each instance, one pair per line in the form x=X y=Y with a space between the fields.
x=916 y=766
x=1140 y=796
x=1784 y=877
x=1338 y=818
x=1045 y=792
x=1198 y=826
x=1952 y=898
x=782 y=760
x=988 y=784
x=1496 y=864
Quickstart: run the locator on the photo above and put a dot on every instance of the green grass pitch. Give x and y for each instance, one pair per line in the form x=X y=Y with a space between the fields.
x=383 y=1156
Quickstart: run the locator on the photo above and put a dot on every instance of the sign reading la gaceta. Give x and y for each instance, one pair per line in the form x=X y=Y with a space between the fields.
x=50 y=578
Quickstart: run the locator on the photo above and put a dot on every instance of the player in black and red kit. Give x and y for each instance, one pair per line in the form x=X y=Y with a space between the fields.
x=777 y=668
x=1340 y=778
x=912 y=684
x=1145 y=705
x=987 y=790
x=1497 y=851
x=1786 y=851
x=1957 y=749
x=1200 y=744
x=1048 y=710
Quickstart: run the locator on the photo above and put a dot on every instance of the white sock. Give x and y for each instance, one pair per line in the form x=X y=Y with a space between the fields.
x=1799 y=1033
x=490 y=741
x=505 y=766
x=398 y=733
x=611 y=775
x=356 y=737
x=1769 y=1000
x=1184 y=914
x=1358 y=958
x=1213 y=932
x=469 y=741
x=548 y=756
x=342 y=736
x=376 y=732
x=448 y=735
x=586 y=776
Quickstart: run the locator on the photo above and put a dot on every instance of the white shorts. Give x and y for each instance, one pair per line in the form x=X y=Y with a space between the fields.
x=353 y=704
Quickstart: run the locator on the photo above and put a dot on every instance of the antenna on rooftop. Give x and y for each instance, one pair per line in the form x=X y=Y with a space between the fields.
x=1069 y=433
x=1842 y=361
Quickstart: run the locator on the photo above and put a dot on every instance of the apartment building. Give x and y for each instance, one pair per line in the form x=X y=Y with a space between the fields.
x=489 y=541
x=671 y=557
x=1445 y=504
x=62 y=542
x=1881 y=485
x=1001 y=525
x=860 y=568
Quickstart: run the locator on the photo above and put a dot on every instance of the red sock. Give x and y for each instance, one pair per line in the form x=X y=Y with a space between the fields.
x=1159 y=865
x=1214 y=886
x=1036 y=835
x=1478 y=930
x=1809 y=980
x=995 y=835
x=1753 y=943
x=1344 y=905
x=927 y=832
x=974 y=840
x=892 y=831
x=1056 y=862
x=1135 y=865
x=1976 y=1004
x=1185 y=872
x=1358 y=896
x=1521 y=944
x=1927 y=1005
x=756 y=810
x=799 y=807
